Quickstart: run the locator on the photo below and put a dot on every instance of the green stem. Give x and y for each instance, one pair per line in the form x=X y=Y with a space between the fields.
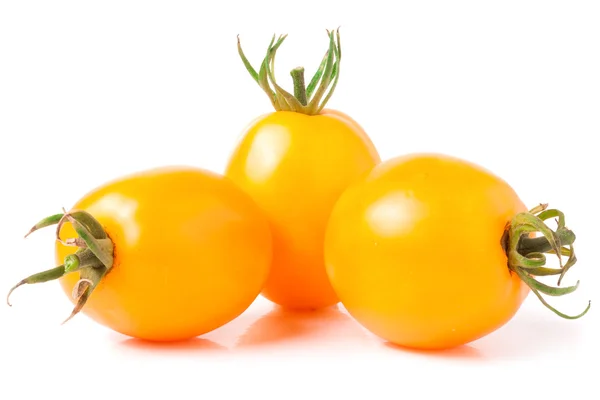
x=542 y=245
x=526 y=255
x=100 y=247
x=92 y=260
x=82 y=258
x=299 y=85
x=306 y=100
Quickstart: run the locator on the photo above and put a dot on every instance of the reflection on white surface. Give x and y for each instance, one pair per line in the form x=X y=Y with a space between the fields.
x=279 y=327
x=266 y=151
x=123 y=209
x=393 y=214
x=270 y=349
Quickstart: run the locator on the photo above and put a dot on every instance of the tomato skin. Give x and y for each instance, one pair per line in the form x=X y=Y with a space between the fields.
x=295 y=167
x=414 y=251
x=191 y=250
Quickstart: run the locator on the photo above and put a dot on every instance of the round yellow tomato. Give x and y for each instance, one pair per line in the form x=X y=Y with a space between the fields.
x=295 y=162
x=191 y=252
x=295 y=166
x=418 y=251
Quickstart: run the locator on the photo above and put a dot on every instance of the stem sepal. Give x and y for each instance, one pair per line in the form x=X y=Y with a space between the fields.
x=526 y=254
x=93 y=258
x=308 y=100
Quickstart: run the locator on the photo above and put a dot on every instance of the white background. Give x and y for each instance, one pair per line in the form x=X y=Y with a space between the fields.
x=90 y=91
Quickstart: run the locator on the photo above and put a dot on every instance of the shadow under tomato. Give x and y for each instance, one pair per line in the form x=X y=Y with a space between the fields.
x=529 y=335
x=463 y=352
x=282 y=326
x=183 y=346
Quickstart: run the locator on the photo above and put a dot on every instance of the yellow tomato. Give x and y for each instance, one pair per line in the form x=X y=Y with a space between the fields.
x=295 y=162
x=418 y=251
x=191 y=252
x=295 y=166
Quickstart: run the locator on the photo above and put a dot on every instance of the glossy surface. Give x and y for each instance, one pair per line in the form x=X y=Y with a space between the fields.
x=413 y=251
x=192 y=252
x=295 y=167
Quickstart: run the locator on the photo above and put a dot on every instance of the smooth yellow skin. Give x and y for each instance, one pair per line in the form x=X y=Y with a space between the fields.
x=192 y=252
x=414 y=251
x=295 y=167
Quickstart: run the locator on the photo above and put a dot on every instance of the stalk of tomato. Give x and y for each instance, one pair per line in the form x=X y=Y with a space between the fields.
x=295 y=162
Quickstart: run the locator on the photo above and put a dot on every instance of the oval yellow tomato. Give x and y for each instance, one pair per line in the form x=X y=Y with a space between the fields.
x=191 y=253
x=295 y=162
x=417 y=252
x=295 y=166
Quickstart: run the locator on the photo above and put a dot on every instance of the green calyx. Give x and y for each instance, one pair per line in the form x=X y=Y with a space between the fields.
x=92 y=260
x=309 y=100
x=527 y=255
